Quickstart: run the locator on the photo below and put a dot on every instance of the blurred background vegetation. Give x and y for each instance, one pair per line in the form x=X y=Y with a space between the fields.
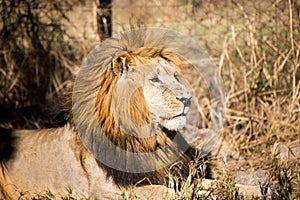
x=37 y=56
x=256 y=45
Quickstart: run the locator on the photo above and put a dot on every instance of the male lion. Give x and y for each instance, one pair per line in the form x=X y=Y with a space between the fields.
x=129 y=106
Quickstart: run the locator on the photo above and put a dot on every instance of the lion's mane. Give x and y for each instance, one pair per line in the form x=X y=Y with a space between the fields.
x=92 y=99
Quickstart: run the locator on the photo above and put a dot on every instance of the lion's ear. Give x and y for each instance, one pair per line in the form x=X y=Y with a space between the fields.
x=122 y=64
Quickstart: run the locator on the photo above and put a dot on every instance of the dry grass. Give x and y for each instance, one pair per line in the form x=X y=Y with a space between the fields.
x=37 y=60
x=257 y=49
x=260 y=62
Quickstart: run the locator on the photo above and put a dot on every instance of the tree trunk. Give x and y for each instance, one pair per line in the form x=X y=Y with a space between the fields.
x=104 y=17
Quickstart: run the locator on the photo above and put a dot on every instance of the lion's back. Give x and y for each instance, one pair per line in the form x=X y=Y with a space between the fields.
x=48 y=159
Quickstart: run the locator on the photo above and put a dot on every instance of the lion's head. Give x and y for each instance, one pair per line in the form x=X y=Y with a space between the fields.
x=167 y=95
x=150 y=91
x=147 y=97
x=130 y=98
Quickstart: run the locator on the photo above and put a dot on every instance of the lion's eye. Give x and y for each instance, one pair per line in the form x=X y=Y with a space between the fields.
x=155 y=80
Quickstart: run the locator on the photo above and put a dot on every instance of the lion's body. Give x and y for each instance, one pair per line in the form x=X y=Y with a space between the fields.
x=129 y=96
x=54 y=160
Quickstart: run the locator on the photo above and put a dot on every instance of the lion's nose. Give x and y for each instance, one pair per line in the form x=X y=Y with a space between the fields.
x=186 y=101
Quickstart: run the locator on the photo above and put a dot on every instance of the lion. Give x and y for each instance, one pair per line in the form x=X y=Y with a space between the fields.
x=129 y=105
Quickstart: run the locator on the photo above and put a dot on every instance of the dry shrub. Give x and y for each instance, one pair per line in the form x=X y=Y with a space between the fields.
x=285 y=181
x=36 y=59
x=260 y=66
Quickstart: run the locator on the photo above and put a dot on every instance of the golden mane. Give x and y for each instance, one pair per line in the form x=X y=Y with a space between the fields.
x=136 y=104
x=93 y=98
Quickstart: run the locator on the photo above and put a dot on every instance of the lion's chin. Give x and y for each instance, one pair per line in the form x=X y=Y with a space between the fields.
x=174 y=124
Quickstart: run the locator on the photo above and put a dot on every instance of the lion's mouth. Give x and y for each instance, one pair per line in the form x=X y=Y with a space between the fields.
x=176 y=116
x=183 y=114
x=176 y=122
